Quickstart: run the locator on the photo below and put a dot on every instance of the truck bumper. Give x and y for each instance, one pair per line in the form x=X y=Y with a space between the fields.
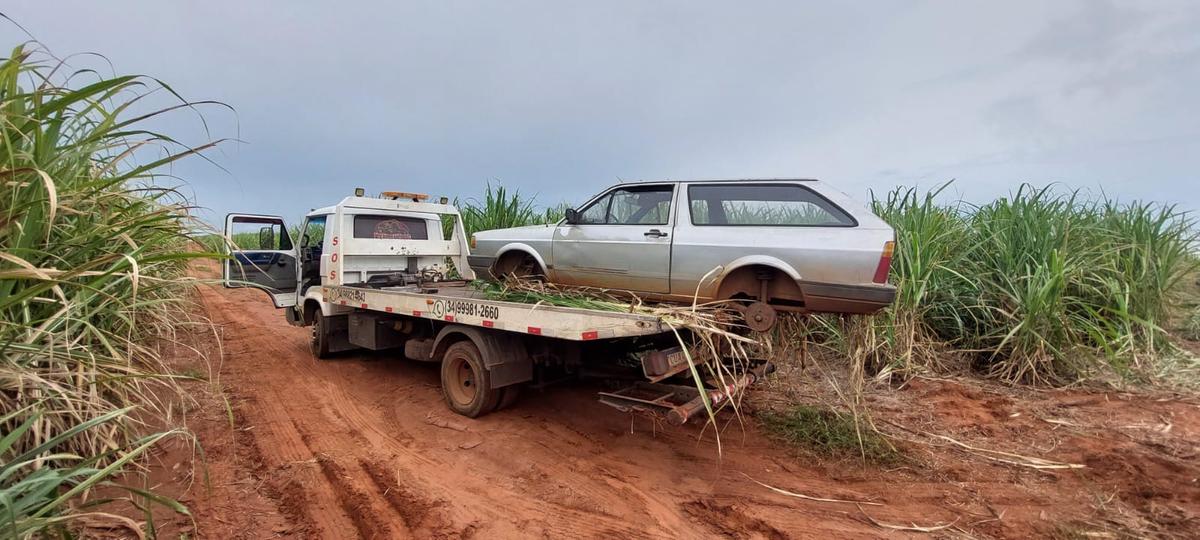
x=841 y=298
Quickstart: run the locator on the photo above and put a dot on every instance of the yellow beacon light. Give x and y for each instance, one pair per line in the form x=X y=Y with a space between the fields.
x=415 y=197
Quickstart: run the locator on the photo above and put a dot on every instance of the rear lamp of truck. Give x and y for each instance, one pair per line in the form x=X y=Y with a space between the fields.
x=885 y=263
x=472 y=241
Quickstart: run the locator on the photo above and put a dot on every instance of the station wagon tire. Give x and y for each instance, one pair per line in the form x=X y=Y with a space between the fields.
x=320 y=337
x=465 y=381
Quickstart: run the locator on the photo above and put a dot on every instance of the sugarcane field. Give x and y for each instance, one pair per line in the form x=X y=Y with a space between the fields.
x=599 y=270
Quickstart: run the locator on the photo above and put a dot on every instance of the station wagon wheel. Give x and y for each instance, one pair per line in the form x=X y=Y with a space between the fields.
x=759 y=316
x=320 y=336
x=466 y=382
x=518 y=265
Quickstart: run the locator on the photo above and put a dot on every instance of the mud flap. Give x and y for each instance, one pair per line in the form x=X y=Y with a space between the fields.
x=293 y=316
x=504 y=356
x=338 y=332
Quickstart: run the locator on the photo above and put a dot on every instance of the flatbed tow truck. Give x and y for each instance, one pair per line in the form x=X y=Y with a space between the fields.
x=377 y=273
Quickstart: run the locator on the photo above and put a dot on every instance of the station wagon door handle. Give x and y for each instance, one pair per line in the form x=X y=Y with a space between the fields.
x=655 y=233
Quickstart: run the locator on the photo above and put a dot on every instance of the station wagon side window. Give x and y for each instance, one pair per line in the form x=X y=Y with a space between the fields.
x=763 y=205
x=633 y=205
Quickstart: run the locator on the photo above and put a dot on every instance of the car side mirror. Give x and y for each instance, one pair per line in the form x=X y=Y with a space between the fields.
x=572 y=216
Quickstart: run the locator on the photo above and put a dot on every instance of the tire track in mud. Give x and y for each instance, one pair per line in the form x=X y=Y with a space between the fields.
x=729 y=521
x=300 y=445
x=422 y=517
x=286 y=498
x=278 y=446
x=356 y=504
x=337 y=505
x=347 y=449
x=552 y=495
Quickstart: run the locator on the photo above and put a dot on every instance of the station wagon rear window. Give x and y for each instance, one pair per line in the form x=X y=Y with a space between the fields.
x=764 y=205
x=390 y=228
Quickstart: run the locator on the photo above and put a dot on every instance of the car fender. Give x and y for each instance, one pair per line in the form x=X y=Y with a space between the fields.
x=751 y=260
x=528 y=249
x=761 y=260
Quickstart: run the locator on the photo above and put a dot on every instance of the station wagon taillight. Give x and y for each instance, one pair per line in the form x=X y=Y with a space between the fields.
x=885 y=263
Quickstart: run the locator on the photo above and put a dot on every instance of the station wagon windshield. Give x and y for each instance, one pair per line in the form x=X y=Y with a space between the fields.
x=763 y=204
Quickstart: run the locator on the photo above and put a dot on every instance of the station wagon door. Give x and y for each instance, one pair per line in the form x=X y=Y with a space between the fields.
x=262 y=257
x=622 y=240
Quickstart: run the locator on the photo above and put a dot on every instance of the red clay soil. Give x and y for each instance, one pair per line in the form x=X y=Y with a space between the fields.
x=362 y=446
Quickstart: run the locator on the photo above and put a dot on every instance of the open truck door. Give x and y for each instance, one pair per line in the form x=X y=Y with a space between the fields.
x=263 y=256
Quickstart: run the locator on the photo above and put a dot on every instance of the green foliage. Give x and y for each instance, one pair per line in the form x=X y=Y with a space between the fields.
x=93 y=255
x=501 y=209
x=37 y=484
x=828 y=433
x=1036 y=286
x=551 y=296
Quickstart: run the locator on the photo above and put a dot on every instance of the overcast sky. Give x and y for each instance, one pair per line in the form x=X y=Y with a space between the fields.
x=560 y=99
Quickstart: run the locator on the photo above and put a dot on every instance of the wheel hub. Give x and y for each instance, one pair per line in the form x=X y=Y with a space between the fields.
x=760 y=316
x=463 y=390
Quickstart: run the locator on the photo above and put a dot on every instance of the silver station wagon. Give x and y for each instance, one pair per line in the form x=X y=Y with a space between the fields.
x=795 y=245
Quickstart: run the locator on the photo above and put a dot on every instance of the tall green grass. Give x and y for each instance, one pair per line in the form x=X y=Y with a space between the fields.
x=93 y=255
x=501 y=209
x=1039 y=286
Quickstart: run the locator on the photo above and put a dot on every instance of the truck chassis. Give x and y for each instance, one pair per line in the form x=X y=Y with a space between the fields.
x=489 y=348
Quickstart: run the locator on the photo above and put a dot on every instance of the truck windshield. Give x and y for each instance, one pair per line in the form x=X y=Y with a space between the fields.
x=763 y=204
x=390 y=227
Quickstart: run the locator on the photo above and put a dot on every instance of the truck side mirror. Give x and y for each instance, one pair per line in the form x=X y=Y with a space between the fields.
x=572 y=216
x=266 y=238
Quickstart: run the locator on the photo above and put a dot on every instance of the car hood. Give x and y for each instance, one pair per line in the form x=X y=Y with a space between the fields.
x=529 y=232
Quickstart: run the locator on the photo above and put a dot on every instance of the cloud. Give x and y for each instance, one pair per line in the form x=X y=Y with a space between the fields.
x=561 y=99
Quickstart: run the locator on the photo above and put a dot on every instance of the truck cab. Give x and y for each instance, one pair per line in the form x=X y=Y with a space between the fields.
x=394 y=239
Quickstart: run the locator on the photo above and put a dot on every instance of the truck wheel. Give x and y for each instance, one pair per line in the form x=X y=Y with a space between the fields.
x=320 y=336
x=465 y=382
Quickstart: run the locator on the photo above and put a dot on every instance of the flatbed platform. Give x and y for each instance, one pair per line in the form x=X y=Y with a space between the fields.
x=457 y=302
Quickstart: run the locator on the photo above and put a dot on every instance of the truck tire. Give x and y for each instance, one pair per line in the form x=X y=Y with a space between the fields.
x=508 y=396
x=320 y=337
x=465 y=381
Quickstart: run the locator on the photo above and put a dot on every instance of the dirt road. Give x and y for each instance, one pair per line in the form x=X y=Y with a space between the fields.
x=363 y=447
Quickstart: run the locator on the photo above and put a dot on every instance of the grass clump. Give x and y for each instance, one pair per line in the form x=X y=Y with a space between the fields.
x=828 y=433
x=93 y=257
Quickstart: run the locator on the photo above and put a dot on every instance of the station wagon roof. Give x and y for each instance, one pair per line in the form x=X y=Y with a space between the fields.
x=719 y=180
